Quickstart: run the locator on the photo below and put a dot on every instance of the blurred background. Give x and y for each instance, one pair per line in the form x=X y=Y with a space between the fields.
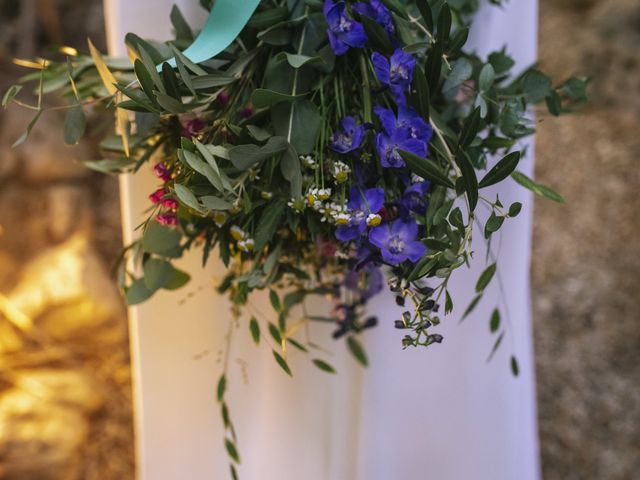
x=65 y=396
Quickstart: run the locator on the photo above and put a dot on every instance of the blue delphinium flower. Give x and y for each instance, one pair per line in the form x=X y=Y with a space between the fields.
x=407 y=119
x=408 y=131
x=349 y=138
x=389 y=146
x=372 y=284
x=377 y=11
x=343 y=32
x=361 y=205
x=397 y=241
x=395 y=72
x=414 y=199
x=394 y=138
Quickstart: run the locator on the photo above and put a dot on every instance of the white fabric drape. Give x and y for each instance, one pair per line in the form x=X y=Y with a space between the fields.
x=442 y=413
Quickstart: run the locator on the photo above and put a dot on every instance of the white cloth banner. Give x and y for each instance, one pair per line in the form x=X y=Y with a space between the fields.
x=441 y=413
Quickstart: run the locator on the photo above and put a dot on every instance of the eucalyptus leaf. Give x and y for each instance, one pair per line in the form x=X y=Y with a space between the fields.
x=157 y=273
x=203 y=168
x=137 y=292
x=246 y=156
x=461 y=72
x=262 y=98
x=215 y=203
x=163 y=241
x=536 y=86
x=269 y=222
x=290 y=168
x=187 y=197
x=487 y=77
x=74 y=125
x=298 y=122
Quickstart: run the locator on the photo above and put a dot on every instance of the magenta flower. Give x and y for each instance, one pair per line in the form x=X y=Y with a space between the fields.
x=191 y=127
x=170 y=203
x=223 y=99
x=398 y=242
x=156 y=197
x=168 y=219
x=247 y=112
x=162 y=172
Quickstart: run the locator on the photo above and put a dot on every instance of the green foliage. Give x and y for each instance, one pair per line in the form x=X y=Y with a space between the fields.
x=356 y=349
x=244 y=141
x=324 y=366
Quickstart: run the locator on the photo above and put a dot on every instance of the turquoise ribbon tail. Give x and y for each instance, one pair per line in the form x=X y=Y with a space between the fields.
x=226 y=20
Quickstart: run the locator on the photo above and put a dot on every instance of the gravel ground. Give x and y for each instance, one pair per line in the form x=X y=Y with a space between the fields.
x=586 y=267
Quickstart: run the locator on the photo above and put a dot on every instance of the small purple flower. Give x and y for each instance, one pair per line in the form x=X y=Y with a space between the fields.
x=397 y=241
x=343 y=32
x=367 y=282
x=361 y=204
x=191 y=126
x=414 y=199
x=377 y=11
x=168 y=219
x=247 y=111
x=396 y=72
x=162 y=172
x=223 y=98
x=349 y=138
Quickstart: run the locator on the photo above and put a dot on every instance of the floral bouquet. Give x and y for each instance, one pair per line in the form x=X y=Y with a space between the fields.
x=332 y=148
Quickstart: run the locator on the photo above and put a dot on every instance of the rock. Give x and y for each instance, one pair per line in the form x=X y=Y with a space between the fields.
x=68 y=210
x=68 y=293
x=43 y=424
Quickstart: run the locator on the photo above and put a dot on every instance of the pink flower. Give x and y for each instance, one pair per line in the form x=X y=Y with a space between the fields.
x=191 y=126
x=170 y=203
x=156 y=197
x=247 y=112
x=162 y=172
x=167 y=219
x=223 y=99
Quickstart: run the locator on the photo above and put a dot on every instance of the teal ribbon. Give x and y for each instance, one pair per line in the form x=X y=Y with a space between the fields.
x=225 y=22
